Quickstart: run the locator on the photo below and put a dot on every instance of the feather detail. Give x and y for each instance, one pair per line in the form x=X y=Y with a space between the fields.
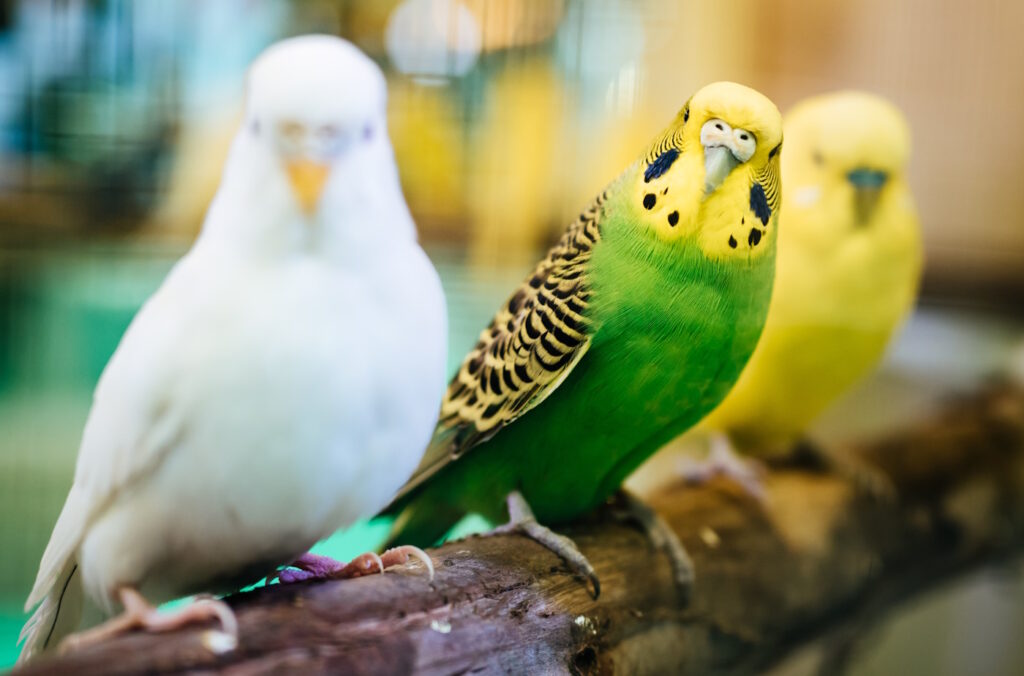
x=57 y=616
x=529 y=348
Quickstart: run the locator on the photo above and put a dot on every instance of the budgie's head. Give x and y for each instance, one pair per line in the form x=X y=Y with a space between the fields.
x=713 y=174
x=847 y=153
x=313 y=148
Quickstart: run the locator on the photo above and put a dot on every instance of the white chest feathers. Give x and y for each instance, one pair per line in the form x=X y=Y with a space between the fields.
x=283 y=403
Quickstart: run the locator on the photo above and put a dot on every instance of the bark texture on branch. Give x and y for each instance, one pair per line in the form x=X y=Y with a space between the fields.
x=768 y=578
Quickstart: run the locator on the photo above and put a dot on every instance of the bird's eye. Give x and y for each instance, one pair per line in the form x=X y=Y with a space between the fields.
x=292 y=132
x=686 y=114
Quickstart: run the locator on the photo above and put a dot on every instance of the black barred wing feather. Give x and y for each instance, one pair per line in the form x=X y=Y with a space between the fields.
x=529 y=348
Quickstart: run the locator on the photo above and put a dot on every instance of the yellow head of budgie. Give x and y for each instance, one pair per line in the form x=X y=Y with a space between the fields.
x=848 y=263
x=846 y=158
x=725 y=142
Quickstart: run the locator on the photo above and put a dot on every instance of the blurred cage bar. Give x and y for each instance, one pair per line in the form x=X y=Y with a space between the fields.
x=506 y=117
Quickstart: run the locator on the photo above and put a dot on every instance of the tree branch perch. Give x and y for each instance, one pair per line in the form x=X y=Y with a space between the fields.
x=768 y=578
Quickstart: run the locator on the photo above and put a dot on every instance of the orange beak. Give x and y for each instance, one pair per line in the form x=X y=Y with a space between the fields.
x=307 y=179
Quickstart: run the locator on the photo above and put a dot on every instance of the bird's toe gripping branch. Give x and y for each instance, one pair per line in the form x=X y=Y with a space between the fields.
x=139 y=614
x=311 y=566
x=724 y=461
x=521 y=520
x=371 y=563
x=397 y=556
x=628 y=507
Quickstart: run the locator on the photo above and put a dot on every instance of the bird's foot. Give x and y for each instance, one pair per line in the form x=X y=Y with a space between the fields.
x=722 y=460
x=139 y=614
x=521 y=520
x=370 y=563
x=628 y=507
x=311 y=566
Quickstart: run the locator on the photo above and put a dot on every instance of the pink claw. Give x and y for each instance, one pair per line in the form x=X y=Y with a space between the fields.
x=316 y=567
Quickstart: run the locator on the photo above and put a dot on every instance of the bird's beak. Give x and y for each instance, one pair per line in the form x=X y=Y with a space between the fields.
x=867 y=186
x=719 y=161
x=719 y=154
x=307 y=179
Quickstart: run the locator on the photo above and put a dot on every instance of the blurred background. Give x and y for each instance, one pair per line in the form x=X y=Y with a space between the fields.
x=507 y=116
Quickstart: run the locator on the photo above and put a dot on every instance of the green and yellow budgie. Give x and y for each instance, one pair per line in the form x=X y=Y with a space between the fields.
x=849 y=260
x=634 y=326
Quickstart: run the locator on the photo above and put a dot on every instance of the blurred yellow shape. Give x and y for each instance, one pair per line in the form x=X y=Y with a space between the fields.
x=848 y=266
x=510 y=189
x=430 y=149
x=516 y=23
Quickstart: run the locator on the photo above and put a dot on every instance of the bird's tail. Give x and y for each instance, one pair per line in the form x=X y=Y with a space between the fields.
x=58 y=615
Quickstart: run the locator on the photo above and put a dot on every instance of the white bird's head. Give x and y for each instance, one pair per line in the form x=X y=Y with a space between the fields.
x=317 y=104
x=312 y=161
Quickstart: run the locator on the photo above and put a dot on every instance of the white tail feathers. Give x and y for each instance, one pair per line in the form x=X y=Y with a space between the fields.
x=57 y=616
x=60 y=550
x=58 y=588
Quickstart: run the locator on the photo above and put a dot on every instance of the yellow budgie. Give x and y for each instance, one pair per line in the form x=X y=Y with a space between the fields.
x=849 y=260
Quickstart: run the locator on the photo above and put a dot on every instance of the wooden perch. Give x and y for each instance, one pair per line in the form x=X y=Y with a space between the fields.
x=768 y=578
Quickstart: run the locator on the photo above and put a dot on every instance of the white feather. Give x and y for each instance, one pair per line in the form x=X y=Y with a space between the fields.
x=284 y=380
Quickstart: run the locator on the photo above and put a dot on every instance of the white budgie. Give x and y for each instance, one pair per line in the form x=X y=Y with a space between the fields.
x=283 y=381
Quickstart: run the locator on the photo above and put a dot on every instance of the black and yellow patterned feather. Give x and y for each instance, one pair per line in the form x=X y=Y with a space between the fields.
x=527 y=350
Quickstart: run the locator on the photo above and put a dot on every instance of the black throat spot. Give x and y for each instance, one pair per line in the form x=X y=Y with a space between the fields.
x=660 y=165
x=759 y=203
